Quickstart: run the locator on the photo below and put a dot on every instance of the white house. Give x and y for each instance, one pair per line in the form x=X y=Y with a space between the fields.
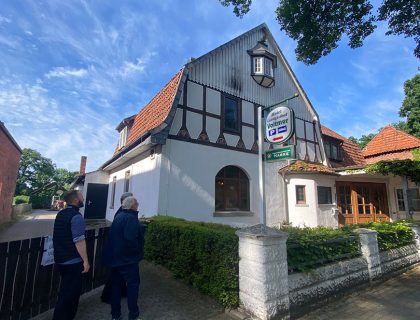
x=192 y=151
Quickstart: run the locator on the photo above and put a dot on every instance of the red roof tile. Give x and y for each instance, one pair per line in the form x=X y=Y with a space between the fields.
x=156 y=111
x=300 y=166
x=390 y=140
x=352 y=155
x=400 y=155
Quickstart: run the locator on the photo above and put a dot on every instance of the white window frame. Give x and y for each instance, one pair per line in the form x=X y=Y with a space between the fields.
x=123 y=137
x=258 y=65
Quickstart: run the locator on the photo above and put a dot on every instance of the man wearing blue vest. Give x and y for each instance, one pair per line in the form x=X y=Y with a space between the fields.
x=70 y=255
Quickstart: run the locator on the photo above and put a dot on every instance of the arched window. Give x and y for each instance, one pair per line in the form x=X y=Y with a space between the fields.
x=232 y=190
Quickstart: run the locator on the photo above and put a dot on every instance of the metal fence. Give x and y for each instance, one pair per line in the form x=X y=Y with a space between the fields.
x=27 y=288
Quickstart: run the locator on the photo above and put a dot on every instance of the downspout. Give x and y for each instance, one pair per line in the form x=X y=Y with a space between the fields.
x=286 y=198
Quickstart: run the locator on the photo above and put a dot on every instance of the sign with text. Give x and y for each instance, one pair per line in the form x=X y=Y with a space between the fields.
x=280 y=154
x=48 y=254
x=279 y=125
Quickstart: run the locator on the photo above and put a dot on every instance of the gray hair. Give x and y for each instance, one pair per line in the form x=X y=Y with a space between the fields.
x=125 y=195
x=129 y=202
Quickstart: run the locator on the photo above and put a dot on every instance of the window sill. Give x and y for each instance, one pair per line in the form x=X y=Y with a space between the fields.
x=326 y=204
x=233 y=214
x=302 y=205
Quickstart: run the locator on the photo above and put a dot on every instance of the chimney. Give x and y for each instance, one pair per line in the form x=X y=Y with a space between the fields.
x=82 y=170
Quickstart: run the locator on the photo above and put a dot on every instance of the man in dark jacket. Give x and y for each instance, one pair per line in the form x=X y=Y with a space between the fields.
x=126 y=250
x=106 y=292
x=70 y=255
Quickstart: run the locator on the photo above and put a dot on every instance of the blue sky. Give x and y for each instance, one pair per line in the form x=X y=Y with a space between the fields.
x=71 y=70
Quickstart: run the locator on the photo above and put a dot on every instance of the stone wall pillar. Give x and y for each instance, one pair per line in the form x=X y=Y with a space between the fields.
x=370 y=250
x=263 y=274
x=416 y=229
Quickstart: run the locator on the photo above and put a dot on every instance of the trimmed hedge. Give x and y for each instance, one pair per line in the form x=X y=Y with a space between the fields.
x=204 y=255
x=309 y=248
x=20 y=199
x=391 y=235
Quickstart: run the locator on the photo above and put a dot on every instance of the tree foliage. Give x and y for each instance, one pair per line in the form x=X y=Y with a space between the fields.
x=318 y=26
x=36 y=171
x=363 y=140
x=411 y=106
x=404 y=168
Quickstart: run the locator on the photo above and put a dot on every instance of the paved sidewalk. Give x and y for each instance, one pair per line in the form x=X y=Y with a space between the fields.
x=395 y=299
x=161 y=297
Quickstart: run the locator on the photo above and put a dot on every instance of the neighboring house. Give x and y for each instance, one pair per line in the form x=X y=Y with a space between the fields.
x=10 y=153
x=192 y=151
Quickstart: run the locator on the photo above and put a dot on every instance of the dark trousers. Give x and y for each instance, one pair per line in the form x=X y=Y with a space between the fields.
x=106 y=292
x=129 y=275
x=70 y=289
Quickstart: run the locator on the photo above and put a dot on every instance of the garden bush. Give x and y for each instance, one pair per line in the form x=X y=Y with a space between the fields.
x=391 y=235
x=309 y=248
x=20 y=199
x=204 y=255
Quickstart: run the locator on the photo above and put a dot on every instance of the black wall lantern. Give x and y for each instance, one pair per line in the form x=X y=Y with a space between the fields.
x=262 y=64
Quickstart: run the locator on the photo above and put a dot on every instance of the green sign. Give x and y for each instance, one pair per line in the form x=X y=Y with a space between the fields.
x=280 y=154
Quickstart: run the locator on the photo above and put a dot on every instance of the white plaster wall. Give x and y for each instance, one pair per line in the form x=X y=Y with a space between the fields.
x=177 y=122
x=247 y=112
x=327 y=214
x=194 y=124
x=301 y=215
x=194 y=95
x=231 y=139
x=396 y=182
x=188 y=181
x=213 y=101
x=275 y=194
x=248 y=136
x=144 y=184
x=213 y=128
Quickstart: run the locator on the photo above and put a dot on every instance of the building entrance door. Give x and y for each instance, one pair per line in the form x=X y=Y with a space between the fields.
x=95 y=203
x=360 y=202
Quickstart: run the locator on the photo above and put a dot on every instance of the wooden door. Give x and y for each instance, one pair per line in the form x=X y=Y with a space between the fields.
x=361 y=202
x=344 y=203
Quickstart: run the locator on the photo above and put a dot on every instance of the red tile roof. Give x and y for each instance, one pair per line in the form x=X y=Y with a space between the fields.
x=400 y=155
x=155 y=112
x=300 y=166
x=390 y=140
x=352 y=155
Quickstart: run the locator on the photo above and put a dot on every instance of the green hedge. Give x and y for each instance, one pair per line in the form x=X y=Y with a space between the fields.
x=309 y=248
x=205 y=255
x=20 y=199
x=391 y=235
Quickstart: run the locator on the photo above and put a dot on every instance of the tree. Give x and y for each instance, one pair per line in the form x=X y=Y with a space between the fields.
x=363 y=140
x=318 y=25
x=411 y=106
x=34 y=172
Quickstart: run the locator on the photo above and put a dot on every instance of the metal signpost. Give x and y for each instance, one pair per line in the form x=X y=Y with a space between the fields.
x=278 y=129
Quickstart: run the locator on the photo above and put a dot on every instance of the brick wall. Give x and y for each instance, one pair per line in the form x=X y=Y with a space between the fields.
x=9 y=166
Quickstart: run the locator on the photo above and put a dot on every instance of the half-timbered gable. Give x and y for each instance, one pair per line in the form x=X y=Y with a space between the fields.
x=218 y=106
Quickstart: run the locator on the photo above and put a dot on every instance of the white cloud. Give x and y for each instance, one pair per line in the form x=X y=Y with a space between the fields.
x=130 y=68
x=62 y=72
x=60 y=131
x=5 y=19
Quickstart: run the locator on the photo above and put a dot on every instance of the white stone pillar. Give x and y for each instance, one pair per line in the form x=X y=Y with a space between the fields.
x=263 y=275
x=416 y=229
x=370 y=250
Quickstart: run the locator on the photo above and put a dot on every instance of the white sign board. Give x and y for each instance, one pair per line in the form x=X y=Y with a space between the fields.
x=48 y=255
x=279 y=125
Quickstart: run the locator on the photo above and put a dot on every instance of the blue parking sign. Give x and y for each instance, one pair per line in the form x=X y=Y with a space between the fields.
x=272 y=132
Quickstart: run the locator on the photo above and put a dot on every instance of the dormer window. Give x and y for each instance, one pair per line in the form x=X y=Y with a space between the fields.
x=123 y=137
x=263 y=64
x=333 y=149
